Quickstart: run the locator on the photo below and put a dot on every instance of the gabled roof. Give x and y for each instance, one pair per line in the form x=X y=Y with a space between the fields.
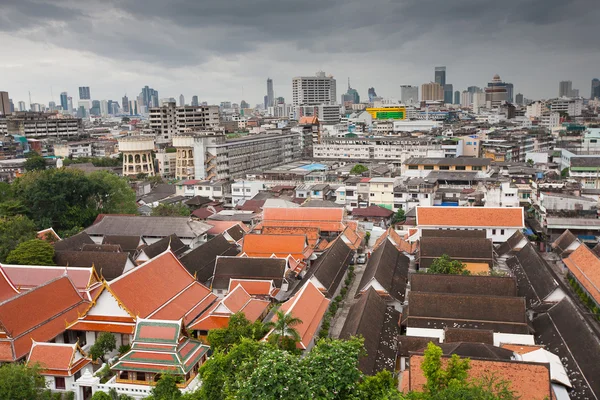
x=109 y=248
x=256 y=245
x=47 y=307
x=148 y=226
x=389 y=268
x=464 y=284
x=57 y=359
x=236 y=232
x=401 y=244
x=452 y=335
x=7 y=288
x=205 y=212
x=170 y=242
x=74 y=242
x=254 y=287
x=309 y=305
x=227 y=268
x=312 y=234
x=200 y=262
x=326 y=219
x=48 y=235
x=476 y=250
x=476 y=350
x=514 y=242
x=563 y=242
x=584 y=265
x=352 y=235
x=329 y=268
x=440 y=310
x=372 y=211
x=564 y=331
x=160 y=346
x=218 y=227
x=535 y=280
x=109 y=265
x=473 y=217
x=379 y=325
x=128 y=244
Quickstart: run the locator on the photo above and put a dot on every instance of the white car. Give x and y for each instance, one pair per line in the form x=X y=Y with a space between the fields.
x=361 y=259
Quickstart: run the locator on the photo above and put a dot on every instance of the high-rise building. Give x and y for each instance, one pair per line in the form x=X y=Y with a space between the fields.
x=440 y=76
x=448 y=92
x=266 y=102
x=149 y=97
x=64 y=103
x=4 y=104
x=432 y=91
x=51 y=105
x=510 y=88
x=495 y=92
x=595 y=92
x=95 y=110
x=170 y=120
x=12 y=106
x=70 y=103
x=280 y=100
x=181 y=100
x=104 y=108
x=194 y=100
x=457 y=97
x=84 y=93
x=409 y=94
x=371 y=94
x=565 y=88
x=270 y=93
x=22 y=106
x=519 y=99
x=314 y=90
x=351 y=95
x=474 y=89
x=244 y=104
x=466 y=99
x=125 y=104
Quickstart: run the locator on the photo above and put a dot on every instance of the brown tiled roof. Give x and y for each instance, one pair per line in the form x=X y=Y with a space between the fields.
x=227 y=268
x=563 y=242
x=110 y=248
x=584 y=265
x=173 y=242
x=476 y=350
x=401 y=244
x=564 y=332
x=205 y=212
x=409 y=344
x=530 y=381
x=108 y=265
x=441 y=310
x=372 y=211
x=389 y=267
x=236 y=232
x=471 y=233
x=535 y=279
x=372 y=319
x=452 y=335
x=477 y=250
x=74 y=242
x=483 y=217
x=463 y=284
x=200 y=262
x=511 y=244
x=251 y=205
x=128 y=243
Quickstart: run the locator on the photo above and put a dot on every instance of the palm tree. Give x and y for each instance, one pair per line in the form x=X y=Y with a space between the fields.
x=283 y=328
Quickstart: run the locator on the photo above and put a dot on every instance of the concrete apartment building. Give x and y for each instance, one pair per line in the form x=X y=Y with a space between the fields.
x=170 y=120
x=314 y=90
x=213 y=156
x=39 y=124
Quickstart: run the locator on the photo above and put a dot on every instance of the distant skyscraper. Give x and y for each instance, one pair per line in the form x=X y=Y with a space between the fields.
x=149 y=97
x=409 y=94
x=351 y=95
x=104 y=107
x=510 y=88
x=495 y=92
x=12 y=106
x=440 y=76
x=195 y=100
x=474 y=89
x=270 y=93
x=51 y=106
x=70 y=103
x=519 y=99
x=244 y=104
x=371 y=94
x=4 y=104
x=595 y=88
x=84 y=93
x=448 y=92
x=266 y=102
x=125 y=103
x=95 y=110
x=457 y=97
x=280 y=100
x=22 y=106
x=565 y=88
x=432 y=91
x=181 y=100
x=314 y=90
x=64 y=103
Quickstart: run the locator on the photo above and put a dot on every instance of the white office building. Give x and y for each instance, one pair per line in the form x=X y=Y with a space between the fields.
x=314 y=90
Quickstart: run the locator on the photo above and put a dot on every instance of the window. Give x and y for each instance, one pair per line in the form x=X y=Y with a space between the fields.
x=77 y=375
x=59 y=382
x=493 y=231
x=124 y=339
x=444 y=167
x=460 y=168
x=414 y=195
x=386 y=186
x=413 y=167
x=140 y=376
x=248 y=190
x=428 y=167
x=476 y=168
x=372 y=194
x=502 y=231
x=426 y=195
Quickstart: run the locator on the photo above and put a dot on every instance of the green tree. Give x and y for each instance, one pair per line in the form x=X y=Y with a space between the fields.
x=530 y=162
x=32 y=252
x=400 y=216
x=239 y=327
x=14 y=230
x=105 y=343
x=381 y=386
x=166 y=388
x=99 y=395
x=34 y=162
x=114 y=195
x=358 y=169
x=446 y=265
x=171 y=210
x=20 y=382
x=283 y=328
x=564 y=173
x=12 y=207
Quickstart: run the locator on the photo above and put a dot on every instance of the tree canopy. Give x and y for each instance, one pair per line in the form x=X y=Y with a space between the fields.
x=32 y=252
x=165 y=389
x=13 y=231
x=399 y=216
x=171 y=210
x=284 y=335
x=446 y=265
x=34 y=162
x=105 y=343
x=239 y=327
x=358 y=169
x=20 y=382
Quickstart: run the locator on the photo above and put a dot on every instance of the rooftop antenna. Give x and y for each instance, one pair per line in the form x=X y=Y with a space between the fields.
x=348 y=83
x=29 y=100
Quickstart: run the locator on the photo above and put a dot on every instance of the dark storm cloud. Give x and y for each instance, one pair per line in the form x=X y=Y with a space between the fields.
x=23 y=14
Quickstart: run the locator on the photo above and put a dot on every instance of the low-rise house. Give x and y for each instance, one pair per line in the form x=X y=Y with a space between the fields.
x=245 y=268
x=200 y=262
x=499 y=223
x=61 y=364
x=371 y=318
x=47 y=307
x=214 y=190
x=420 y=167
x=373 y=213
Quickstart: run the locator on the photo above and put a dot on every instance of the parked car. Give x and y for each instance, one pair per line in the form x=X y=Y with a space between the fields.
x=361 y=259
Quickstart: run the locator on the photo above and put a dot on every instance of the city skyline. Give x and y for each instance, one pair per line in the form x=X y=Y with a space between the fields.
x=115 y=38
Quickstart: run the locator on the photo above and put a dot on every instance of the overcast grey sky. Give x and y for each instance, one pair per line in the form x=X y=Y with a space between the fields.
x=225 y=49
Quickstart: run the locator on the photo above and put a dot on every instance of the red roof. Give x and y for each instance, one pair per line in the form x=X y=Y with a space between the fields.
x=57 y=358
x=584 y=265
x=326 y=219
x=281 y=245
x=477 y=217
x=309 y=305
x=205 y=212
x=372 y=211
x=7 y=288
x=251 y=205
x=219 y=227
x=47 y=307
x=253 y=287
x=30 y=276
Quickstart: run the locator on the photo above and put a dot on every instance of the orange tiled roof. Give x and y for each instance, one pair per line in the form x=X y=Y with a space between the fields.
x=397 y=241
x=585 y=266
x=7 y=288
x=309 y=304
x=312 y=233
x=509 y=217
x=46 y=234
x=354 y=236
x=281 y=245
x=57 y=358
x=253 y=287
x=326 y=219
x=521 y=348
x=530 y=381
x=219 y=227
x=323 y=244
x=308 y=120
